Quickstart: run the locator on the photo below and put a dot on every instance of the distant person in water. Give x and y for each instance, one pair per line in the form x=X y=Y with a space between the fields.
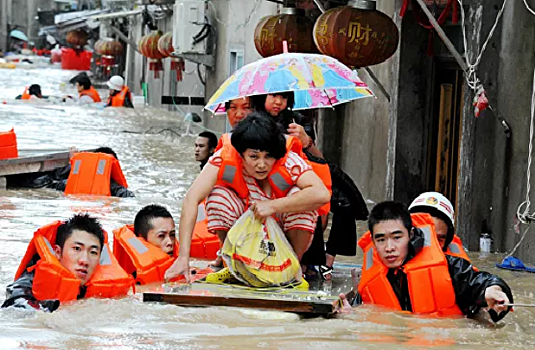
x=33 y=92
x=86 y=92
x=205 y=145
x=57 y=178
x=120 y=95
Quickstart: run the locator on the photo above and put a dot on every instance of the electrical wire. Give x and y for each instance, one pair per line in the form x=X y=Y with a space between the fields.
x=200 y=75
x=471 y=77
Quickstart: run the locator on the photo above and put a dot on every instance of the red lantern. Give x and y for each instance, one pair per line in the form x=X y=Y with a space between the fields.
x=77 y=37
x=148 y=46
x=296 y=29
x=108 y=49
x=356 y=37
x=165 y=46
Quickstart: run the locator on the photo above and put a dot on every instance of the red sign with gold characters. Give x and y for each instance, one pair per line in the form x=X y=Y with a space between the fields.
x=295 y=29
x=357 y=38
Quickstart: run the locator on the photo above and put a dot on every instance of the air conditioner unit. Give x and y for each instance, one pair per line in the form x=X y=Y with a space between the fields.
x=189 y=20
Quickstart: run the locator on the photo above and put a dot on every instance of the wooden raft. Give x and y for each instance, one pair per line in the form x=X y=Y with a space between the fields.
x=303 y=303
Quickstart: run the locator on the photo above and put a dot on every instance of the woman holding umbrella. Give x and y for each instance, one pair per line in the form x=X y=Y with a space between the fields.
x=284 y=83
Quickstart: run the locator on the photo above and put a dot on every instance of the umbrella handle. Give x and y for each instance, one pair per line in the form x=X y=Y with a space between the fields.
x=285 y=46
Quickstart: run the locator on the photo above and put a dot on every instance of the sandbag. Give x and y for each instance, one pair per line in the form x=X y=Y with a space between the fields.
x=259 y=255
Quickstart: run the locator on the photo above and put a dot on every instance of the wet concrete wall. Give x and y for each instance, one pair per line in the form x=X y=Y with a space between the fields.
x=5 y=16
x=516 y=63
x=356 y=135
x=166 y=85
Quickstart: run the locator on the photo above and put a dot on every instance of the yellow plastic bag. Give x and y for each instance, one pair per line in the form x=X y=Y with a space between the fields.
x=259 y=255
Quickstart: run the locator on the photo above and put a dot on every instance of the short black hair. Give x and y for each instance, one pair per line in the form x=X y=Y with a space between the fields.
x=259 y=101
x=212 y=139
x=106 y=150
x=261 y=132
x=390 y=210
x=84 y=81
x=35 y=90
x=142 y=222
x=81 y=222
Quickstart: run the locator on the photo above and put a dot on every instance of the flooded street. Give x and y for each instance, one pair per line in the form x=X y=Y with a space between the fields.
x=159 y=167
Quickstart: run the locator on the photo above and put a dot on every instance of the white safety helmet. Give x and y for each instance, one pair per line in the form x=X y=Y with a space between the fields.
x=436 y=201
x=116 y=83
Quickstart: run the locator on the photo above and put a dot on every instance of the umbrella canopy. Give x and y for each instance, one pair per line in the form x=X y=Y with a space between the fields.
x=316 y=80
x=17 y=34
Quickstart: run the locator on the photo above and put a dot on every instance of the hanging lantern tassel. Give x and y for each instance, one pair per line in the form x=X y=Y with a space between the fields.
x=178 y=65
x=481 y=101
x=156 y=66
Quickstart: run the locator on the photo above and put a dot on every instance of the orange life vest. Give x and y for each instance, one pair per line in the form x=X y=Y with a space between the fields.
x=279 y=178
x=53 y=281
x=204 y=245
x=455 y=248
x=91 y=174
x=8 y=145
x=118 y=99
x=137 y=255
x=26 y=94
x=429 y=282
x=91 y=92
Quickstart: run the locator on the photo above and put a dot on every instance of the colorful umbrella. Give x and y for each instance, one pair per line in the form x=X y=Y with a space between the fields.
x=317 y=81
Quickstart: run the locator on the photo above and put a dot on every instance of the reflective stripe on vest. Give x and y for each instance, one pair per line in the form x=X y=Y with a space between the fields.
x=278 y=180
x=105 y=258
x=137 y=245
x=454 y=248
x=369 y=258
x=229 y=173
x=201 y=213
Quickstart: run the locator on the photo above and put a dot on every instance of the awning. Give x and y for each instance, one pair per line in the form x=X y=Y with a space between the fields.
x=66 y=22
x=72 y=16
x=117 y=14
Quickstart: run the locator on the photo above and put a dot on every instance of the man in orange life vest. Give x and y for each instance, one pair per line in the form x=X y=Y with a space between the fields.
x=441 y=210
x=78 y=247
x=120 y=95
x=150 y=255
x=405 y=269
x=87 y=93
x=57 y=179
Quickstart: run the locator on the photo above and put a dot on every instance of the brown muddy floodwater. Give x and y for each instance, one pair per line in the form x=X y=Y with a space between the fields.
x=159 y=169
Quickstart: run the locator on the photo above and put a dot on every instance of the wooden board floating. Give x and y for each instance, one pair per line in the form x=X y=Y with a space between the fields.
x=304 y=303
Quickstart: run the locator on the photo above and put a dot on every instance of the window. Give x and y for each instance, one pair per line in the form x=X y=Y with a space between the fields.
x=236 y=62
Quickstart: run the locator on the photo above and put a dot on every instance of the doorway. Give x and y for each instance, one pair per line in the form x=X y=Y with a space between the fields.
x=445 y=130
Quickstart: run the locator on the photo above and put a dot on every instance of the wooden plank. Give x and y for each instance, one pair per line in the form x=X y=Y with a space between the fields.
x=305 y=307
x=35 y=163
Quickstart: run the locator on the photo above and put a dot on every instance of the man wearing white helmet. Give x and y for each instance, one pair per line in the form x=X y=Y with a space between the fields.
x=120 y=95
x=441 y=210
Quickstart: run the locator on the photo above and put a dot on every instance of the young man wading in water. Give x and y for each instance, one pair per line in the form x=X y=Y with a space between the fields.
x=405 y=269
